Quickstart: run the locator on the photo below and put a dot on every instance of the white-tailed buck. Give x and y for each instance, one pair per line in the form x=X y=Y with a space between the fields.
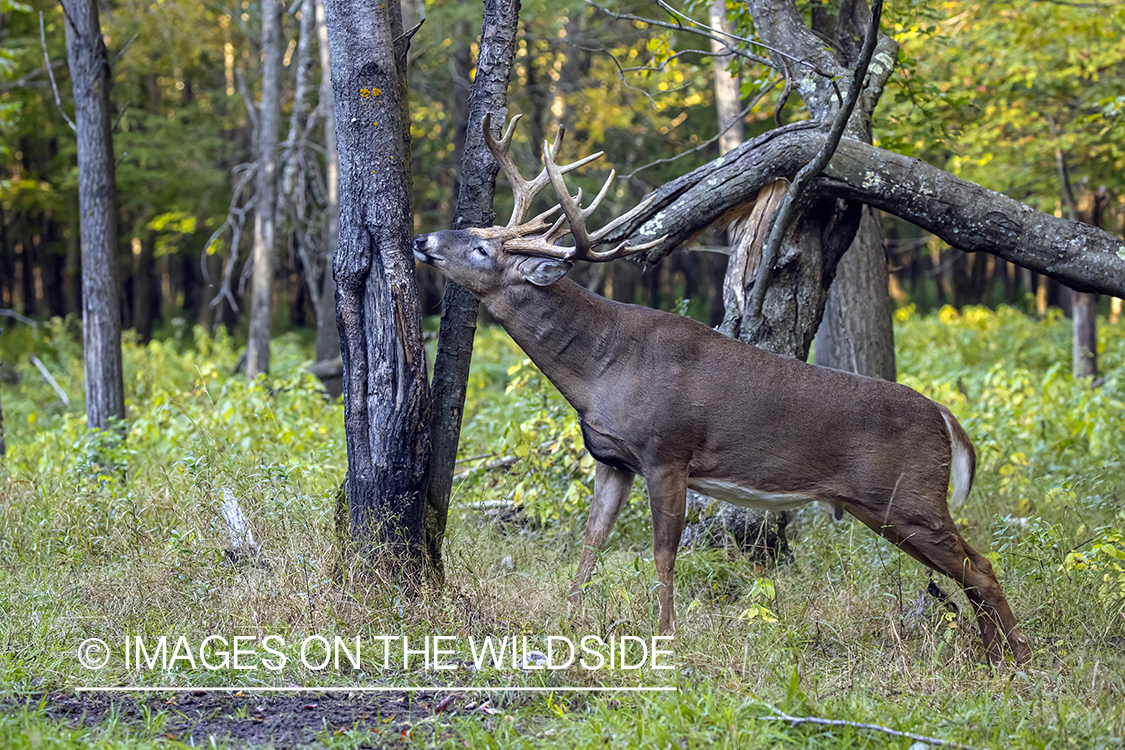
x=668 y=398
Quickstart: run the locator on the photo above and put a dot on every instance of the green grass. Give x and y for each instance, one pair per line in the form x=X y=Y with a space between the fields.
x=133 y=546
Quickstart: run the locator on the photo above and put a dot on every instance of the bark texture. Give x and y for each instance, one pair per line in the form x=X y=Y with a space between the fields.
x=101 y=321
x=792 y=312
x=856 y=333
x=386 y=393
x=265 y=197
x=327 y=337
x=488 y=95
x=964 y=214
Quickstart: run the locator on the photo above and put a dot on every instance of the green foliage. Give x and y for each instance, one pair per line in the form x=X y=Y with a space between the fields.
x=188 y=414
x=1051 y=82
x=104 y=535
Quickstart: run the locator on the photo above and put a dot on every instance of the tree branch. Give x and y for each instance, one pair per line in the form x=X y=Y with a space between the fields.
x=51 y=73
x=795 y=720
x=964 y=214
x=786 y=213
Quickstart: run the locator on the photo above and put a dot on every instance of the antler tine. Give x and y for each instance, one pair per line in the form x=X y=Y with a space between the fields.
x=543 y=245
x=523 y=190
x=584 y=241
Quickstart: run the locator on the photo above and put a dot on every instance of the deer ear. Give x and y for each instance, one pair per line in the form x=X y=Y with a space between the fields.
x=544 y=271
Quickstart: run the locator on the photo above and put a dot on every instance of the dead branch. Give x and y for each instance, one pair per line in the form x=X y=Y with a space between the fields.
x=51 y=73
x=47 y=376
x=779 y=715
x=785 y=214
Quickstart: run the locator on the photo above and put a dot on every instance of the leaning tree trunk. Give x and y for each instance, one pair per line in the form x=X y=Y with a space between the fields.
x=265 y=197
x=101 y=322
x=386 y=394
x=488 y=95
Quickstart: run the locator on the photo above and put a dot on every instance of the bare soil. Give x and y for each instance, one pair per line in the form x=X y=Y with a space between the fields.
x=253 y=719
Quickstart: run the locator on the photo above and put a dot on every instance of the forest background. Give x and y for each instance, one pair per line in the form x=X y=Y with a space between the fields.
x=1022 y=98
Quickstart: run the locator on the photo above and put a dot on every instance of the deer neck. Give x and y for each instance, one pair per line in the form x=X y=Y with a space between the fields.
x=571 y=334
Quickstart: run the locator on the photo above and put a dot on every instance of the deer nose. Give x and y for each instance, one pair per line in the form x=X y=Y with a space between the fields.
x=420 y=243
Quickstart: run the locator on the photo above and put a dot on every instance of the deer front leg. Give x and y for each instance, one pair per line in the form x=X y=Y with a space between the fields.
x=667 y=497
x=611 y=490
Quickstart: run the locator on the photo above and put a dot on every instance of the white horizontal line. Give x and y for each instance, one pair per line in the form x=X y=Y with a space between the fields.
x=408 y=689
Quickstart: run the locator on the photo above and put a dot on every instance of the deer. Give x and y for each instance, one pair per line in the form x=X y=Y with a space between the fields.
x=663 y=396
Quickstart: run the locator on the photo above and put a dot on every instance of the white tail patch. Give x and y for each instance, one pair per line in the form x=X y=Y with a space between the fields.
x=961 y=468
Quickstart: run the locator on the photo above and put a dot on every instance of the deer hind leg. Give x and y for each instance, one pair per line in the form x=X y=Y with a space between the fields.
x=946 y=551
x=667 y=497
x=611 y=490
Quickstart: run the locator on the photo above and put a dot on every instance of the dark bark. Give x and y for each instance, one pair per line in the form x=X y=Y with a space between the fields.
x=145 y=293
x=386 y=393
x=101 y=326
x=965 y=215
x=265 y=196
x=488 y=95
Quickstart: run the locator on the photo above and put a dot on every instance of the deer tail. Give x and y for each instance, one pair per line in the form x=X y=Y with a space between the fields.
x=963 y=463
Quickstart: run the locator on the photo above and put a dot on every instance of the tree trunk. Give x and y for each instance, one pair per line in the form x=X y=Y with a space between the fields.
x=1085 y=311
x=386 y=394
x=856 y=333
x=101 y=326
x=145 y=296
x=727 y=86
x=488 y=95
x=327 y=334
x=785 y=326
x=265 y=217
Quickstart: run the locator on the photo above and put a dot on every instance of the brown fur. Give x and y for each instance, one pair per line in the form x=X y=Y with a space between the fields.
x=663 y=396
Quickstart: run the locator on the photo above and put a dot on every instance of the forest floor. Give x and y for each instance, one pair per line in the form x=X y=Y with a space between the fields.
x=842 y=639
x=236 y=719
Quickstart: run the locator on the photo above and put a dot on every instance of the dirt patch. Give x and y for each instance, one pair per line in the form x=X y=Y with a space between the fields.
x=255 y=719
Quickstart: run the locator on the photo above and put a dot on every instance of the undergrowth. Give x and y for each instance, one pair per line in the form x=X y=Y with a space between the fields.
x=122 y=534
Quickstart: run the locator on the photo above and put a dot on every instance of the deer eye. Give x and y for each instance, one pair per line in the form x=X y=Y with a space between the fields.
x=481 y=250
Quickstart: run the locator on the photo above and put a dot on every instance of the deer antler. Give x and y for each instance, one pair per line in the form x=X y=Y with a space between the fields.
x=584 y=241
x=523 y=190
x=525 y=237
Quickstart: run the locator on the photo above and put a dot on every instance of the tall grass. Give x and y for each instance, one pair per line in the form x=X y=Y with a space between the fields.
x=105 y=538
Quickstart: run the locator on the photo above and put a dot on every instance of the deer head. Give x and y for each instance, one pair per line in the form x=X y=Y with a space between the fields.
x=527 y=251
